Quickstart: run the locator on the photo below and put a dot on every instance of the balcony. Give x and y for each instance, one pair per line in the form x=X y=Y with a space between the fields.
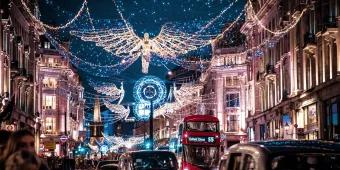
x=270 y=71
x=310 y=42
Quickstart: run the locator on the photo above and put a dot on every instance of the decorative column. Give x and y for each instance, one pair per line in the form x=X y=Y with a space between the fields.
x=323 y=61
x=330 y=45
x=316 y=69
x=337 y=41
x=304 y=69
x=2 y=74
x=281 y=80
x=219 y=100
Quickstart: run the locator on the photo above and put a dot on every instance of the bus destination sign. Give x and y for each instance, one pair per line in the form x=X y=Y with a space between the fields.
x=203 y=139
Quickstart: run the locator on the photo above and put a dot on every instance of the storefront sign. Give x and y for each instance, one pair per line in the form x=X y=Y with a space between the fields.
x=50 y=144
x=202 y=139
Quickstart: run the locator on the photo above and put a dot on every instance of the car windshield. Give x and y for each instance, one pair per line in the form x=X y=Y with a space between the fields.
x=202 y=126
x=154 y=160
x=316 y=161
x=202 y=156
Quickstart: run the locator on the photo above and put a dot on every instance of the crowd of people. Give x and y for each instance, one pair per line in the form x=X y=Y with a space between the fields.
x=17 y=151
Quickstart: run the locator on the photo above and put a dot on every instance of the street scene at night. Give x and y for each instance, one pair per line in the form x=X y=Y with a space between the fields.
x=169 y=85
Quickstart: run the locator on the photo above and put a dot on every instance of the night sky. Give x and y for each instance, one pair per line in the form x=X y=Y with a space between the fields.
x=144 y=16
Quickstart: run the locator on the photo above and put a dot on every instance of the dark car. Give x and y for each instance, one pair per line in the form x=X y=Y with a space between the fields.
x=103 y=164
x=144 y=160
x=282 y=155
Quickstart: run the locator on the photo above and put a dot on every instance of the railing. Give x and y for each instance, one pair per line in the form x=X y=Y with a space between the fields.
x=270 y=69
x=309 y=39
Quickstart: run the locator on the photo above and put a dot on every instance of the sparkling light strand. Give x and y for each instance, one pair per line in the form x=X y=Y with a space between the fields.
x=56 y=27
x=278 y=32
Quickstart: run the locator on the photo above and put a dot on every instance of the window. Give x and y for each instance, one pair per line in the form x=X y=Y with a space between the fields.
x=305 y=161
x=233 y=123
x=233 y=100
x=50 y=124
x=202 y=126
x=50 y=82
x=235 y=161
x=50 y=61
x=141 y=161
x=49 y=102
x=47 y=45
x=205 y=157
x=249 y=162
x=311 y=113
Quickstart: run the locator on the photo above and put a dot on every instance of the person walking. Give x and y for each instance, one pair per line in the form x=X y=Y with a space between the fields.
x=21 y=140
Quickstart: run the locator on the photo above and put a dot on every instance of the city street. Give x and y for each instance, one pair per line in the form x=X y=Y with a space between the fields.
x=170 y=84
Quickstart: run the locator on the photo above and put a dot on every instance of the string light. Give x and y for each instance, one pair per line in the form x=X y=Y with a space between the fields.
x=124 y=42
x=278 y=32
x=71 y=21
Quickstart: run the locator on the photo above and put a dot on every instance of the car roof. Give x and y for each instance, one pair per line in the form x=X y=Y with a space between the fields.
x=292 y=146
x=135 y=153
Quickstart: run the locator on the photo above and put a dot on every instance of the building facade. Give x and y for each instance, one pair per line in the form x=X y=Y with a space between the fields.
x=294 y=71
x=226 y=83
x=19 y=47
x=59 y=98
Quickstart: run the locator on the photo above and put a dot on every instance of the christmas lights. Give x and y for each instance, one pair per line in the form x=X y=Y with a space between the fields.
x=84 y=5
x=124 y=42
x=280 y=31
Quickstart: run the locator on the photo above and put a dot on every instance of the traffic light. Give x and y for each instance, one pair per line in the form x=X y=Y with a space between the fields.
x=147 y=145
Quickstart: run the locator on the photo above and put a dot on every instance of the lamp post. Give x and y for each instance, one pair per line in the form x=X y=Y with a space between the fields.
x=151 y=125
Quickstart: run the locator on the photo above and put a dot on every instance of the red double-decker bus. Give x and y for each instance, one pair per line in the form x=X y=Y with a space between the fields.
x=200 y=142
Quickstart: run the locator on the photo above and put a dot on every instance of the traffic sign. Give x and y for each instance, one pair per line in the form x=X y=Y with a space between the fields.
x=63 y=138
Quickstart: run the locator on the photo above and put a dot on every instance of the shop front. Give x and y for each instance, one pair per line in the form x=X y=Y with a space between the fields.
x=332 y=119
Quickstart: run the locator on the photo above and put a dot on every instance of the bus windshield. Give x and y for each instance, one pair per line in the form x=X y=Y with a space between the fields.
x=202 y=126
x=202 y=156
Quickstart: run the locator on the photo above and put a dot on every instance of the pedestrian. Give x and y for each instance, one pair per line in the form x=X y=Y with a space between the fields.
x=23 y=160
x=4 y=136
x=18 y=141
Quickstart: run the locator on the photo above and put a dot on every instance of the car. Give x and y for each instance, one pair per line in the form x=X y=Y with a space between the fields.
x=282 y=155
x=142 y=160
x=106 y=162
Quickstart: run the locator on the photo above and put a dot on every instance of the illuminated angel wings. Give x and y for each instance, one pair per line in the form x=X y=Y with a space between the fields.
x=124 y=42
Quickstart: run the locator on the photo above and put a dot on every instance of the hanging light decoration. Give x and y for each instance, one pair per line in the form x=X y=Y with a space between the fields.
x=124 y=42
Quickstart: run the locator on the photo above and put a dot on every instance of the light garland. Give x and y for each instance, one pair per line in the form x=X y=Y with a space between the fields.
x=110 y=90
x=118 y=109
x=278 y=32
x=84 y=5
x=116 y=142
x=124 y=42
x=187 y=93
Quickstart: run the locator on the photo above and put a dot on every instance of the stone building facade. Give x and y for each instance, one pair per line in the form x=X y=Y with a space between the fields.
x=225 y=92
x=19 y=47
x=59 y=94
x=294 y=71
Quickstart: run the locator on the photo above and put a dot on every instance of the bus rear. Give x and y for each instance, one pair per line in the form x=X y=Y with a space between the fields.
x=200 y=142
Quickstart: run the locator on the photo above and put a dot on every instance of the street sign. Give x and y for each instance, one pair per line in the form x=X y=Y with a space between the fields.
x=63 y=138
x=50 y=144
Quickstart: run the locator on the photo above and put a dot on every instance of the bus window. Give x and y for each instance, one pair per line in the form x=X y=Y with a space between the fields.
x=202 y=126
